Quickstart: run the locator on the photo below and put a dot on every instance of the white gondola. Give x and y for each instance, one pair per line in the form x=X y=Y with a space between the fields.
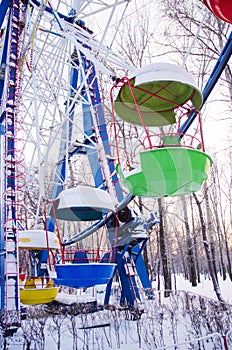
x=37 y=240
x=152 y=93
x=82 y=203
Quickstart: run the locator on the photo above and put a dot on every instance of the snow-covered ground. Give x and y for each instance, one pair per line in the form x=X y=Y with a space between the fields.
x=188 y=314
x=205 y=288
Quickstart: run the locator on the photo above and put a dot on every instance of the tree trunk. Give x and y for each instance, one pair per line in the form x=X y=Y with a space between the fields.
x=208 y=252
x=145 y=254
x=229 y=267
x=220 y=242
x=189 y=246
x=182 y=264
x=163 y=254
x=210 y=230
x=195 y=243
x=216 y=205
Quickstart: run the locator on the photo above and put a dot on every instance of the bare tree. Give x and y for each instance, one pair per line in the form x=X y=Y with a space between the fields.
x=208 y=251
x=189 y=244
x=211 y=230
x=219 y=193
x=164 y=252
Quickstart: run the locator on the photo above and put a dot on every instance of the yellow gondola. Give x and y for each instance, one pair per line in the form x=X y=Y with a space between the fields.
x=32 y=294
x=37 y=290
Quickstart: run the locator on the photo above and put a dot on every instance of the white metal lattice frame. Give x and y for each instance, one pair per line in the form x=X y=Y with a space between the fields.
x=49 y=42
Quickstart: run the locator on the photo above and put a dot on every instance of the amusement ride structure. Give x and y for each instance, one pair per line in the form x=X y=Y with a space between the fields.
x=52 y=113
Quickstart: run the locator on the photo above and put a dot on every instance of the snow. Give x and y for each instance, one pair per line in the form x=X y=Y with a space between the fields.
x=183 y=317
x=205 y=288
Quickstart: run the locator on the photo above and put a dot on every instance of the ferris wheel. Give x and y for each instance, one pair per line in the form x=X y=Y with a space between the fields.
x=51 y=113
x=51 y=110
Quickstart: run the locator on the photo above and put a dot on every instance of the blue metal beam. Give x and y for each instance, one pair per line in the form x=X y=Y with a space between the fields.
x=2 y=235
x=68 y=18
x=215 y=75
x=3 y=59
x=60 y=174
x=89 y=130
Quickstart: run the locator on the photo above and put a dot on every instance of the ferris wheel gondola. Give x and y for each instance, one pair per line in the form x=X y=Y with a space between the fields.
x=36 y=289
x=156 y=95
x=151 y=94
x=221 y=8
x=82 y=203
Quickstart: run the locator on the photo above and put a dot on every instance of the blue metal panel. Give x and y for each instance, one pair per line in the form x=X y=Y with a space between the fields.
x=2 y=131
x=129 y=286
x=83 y=275
x=3 y=8
x=136 y=254
x=127 y=293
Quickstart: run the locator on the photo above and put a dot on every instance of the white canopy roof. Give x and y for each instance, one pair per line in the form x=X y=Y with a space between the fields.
x=83 y=202
x=38 y=239
x=154 y=93
x=166 y=72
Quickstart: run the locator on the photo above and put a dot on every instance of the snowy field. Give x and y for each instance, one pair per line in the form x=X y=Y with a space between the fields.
x=190 y=317
x=205 y=288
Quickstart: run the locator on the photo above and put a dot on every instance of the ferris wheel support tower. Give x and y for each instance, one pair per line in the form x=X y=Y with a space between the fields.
x=10 y=158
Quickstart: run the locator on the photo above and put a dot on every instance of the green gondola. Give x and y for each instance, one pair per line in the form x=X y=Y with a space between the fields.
x=168 y=171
